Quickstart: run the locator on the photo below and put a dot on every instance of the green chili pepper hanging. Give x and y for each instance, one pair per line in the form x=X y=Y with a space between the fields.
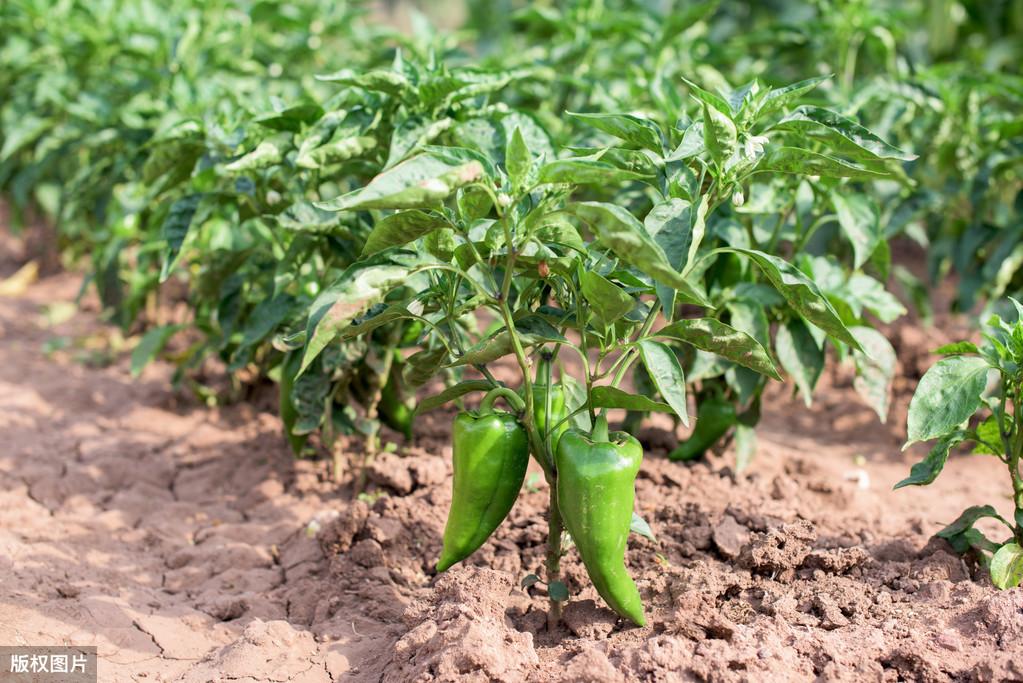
x=714 y=417
x=596 y=490
x=393 y=408
x=557 y=402
x=490 y=450
x=557 y=414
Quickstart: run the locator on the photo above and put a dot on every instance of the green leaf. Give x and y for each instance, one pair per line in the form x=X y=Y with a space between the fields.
x=745 y=446
x=267 y=153
x=612 y=397
x=152 y=343
x=265 y=317
x=360 y=286
x=384 y=81
x=423 y=181
x=517 y=158
x=719 y=134
x=529 y=580
x=804 y=162
x=421 y=366
x=706 y=97
x=1007 y=566
x=858 y=217
x=634 y=130
x=375 y=316
x=531 y=330
x=584 y=171
x=956 y=348
x=174 y=230
x=800 y=355
x=451 y=393
x=22 y=131
x=678 y=230
x=663 y=367
x=293 y=118
x=557 y=591
x=928 y=469
x=575 y=398
x=843 y=134
x=623 y=234
x=967 y=519
x=304 y=217
x=867 y=292
x=801 y=293
x=401 y=228
x=875 y=369
x=988 y=432
x=639 y=526
x=778 y=99
x=724 y=340
x=947 y=395
x=608 y=301
x=335 y=152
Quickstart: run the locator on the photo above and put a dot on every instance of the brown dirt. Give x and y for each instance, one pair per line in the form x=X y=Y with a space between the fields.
x=189 y=545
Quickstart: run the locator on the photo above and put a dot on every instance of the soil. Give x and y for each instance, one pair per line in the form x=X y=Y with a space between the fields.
x=189 y=545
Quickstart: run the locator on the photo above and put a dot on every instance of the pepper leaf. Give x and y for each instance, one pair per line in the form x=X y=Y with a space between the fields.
x=634 y=130
x=608 y=301
x=640 y=526
x=928 y=469
x=947 y=395
x=360 y=286
x=710 y=334
x=451 y=393
x=401 y=228
x=802 y=294
x=843 y=134
x=623 y=234
x=800 y=355
x=150 y=345
x=612 y=397
x=666 y=373
x=423 y=181
x=858 y=217
x=1007 y=566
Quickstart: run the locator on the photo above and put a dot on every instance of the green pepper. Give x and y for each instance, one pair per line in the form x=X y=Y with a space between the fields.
x=490 y=450
x=392 y=408
x=558 y=412
x=557 y=399
x=714 y=417
x=596 y=490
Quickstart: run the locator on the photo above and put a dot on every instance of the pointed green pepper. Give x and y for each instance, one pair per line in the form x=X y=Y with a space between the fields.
x=490 y=451
x=596 y=491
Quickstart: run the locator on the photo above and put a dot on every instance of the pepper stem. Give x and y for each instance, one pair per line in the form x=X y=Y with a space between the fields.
x=600 y=431
x=513 y=399
x=553 y=563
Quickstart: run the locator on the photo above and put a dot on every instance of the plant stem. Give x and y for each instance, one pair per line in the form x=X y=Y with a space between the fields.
x=634 y=352
x=553 y=563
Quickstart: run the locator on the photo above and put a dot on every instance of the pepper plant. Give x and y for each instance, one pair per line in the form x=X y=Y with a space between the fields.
x=499 y=252
x=956 y=403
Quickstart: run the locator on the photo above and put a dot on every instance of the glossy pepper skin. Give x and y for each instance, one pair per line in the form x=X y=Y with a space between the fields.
x=596 y=491
x=490 y=451
x=558 y=412
x=714 y=417
x=393 y=410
